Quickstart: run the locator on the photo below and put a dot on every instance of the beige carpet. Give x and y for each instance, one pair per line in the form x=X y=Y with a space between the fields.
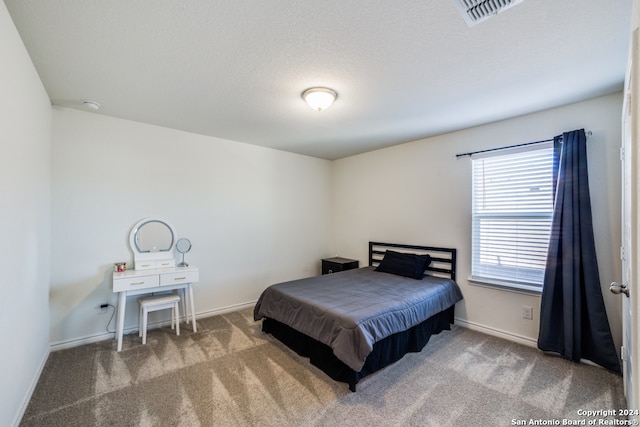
x=232 y=374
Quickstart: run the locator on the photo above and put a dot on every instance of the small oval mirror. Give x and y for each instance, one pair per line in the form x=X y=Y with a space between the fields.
x=154 y=236
x=183 y=246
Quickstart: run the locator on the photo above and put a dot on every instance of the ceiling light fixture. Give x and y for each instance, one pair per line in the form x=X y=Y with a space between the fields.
x=91 y=105
x=319 y=98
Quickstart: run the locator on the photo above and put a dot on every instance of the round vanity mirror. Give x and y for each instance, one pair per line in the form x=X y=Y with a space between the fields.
x=183 y=246
x=154 y=236
x=152 y=241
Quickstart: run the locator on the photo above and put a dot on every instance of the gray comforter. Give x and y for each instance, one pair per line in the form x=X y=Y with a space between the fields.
x=351 y=310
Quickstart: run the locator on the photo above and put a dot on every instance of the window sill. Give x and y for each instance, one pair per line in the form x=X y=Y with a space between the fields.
x=519 y=288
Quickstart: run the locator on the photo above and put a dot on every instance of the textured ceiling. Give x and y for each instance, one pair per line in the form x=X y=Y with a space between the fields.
x=403 y=69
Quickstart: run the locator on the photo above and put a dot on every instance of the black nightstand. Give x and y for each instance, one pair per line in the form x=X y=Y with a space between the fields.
x=333 y=265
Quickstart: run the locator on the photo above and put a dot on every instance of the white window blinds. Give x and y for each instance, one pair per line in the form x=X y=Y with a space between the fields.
x=512 y=211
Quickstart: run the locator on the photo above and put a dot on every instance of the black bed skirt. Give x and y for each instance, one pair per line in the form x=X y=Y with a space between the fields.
x=385 y=352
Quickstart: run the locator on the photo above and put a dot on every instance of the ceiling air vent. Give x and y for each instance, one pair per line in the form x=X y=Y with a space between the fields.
x=476 y=11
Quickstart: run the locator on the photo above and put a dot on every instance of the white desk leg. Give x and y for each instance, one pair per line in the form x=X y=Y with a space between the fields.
x=193 y=310
x=184 y=304
x=122 y=301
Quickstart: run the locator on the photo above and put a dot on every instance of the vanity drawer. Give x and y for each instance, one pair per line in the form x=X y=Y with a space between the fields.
x=135 y=282
x=148 y=265
x=145 y=265
x=166 y=263
x=179 y=277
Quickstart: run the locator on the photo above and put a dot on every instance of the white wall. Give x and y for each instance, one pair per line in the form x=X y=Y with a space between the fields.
x=255 y=216
x=25 y=129
x=420 y=193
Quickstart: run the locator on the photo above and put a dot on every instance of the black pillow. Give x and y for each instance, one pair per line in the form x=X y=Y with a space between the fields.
x=403 y=264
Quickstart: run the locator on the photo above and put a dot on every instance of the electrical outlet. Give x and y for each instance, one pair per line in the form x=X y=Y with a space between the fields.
x=102 y=308
x=527 y=312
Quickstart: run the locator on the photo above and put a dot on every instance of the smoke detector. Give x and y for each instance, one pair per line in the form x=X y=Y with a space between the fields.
x=91 y=105
x=476 y=11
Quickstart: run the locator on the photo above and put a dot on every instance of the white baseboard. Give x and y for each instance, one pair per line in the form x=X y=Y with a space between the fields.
x=32 y=388
x=227 y=309
x=510 y=336
x=61 y=345
x=235 y=307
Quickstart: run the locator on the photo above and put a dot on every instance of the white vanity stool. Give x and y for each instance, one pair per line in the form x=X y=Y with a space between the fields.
x=155 y=303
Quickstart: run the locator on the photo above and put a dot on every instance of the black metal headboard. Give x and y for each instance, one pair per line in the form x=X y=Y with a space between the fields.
x=443 y=259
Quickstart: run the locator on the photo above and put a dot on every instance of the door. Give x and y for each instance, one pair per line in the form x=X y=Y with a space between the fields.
x=629 y=252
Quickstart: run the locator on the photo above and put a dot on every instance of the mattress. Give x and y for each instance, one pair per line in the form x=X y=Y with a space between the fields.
x=352 y=310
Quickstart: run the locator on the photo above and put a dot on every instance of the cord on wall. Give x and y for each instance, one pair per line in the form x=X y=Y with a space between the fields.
x=111 y=318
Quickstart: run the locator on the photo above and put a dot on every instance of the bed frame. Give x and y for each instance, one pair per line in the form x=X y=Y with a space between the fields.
x=443 y=260
x=388 y=350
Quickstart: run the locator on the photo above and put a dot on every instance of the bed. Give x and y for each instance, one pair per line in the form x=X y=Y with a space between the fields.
x=355 y=322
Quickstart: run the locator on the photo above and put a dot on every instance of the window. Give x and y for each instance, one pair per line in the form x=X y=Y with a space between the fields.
x=512 y=212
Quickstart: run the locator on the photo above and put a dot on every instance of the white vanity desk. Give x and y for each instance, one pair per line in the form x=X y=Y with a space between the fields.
x=136 y=282
x=152 y=241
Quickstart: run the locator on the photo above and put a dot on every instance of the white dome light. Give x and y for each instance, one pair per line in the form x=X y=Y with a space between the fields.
x=319 y=98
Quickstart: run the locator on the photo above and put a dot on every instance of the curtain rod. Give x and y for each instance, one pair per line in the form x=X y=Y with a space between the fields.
x=587 y=133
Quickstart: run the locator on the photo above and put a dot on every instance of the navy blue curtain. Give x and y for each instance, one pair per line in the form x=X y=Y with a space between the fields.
x=573 y=320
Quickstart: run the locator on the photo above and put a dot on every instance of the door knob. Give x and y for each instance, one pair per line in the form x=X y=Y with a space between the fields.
x=619 y=288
